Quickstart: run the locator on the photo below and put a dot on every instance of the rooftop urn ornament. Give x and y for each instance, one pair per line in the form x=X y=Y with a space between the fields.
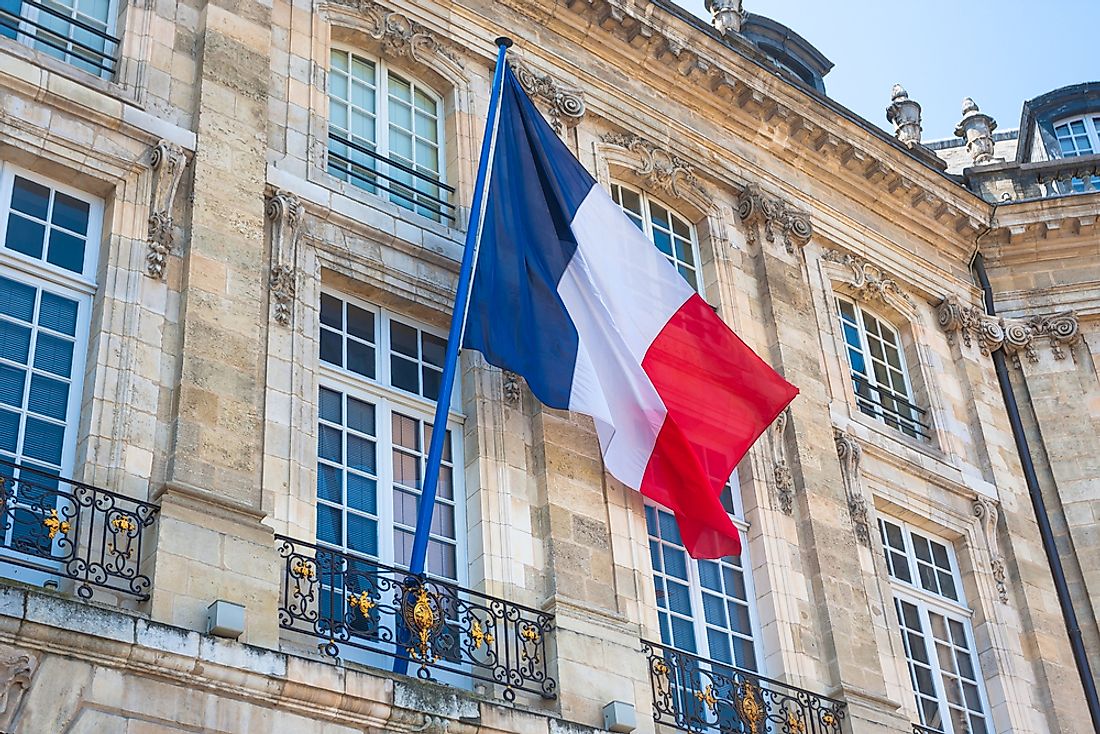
x=976 y=128
x=905 y=114
x=726 y=15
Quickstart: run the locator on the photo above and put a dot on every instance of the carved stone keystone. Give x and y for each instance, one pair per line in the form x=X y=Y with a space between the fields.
x=869 y=281
x=660 y=168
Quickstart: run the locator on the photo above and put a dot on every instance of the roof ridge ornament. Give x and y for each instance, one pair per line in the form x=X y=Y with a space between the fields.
x=976 y=128
x=726 y=15
x=905 y=114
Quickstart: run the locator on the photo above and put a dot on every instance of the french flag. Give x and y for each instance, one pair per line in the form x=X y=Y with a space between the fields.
x=571 y=295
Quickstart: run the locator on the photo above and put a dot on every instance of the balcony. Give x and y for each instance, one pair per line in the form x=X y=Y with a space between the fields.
x=1040 y=180
x=366 y=611
x=60 y=30
x=918 y=729
x=890 y=407
x=699 y=695
x=60 y=532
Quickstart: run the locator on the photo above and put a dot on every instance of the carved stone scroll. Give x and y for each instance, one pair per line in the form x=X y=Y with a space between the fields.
x=16 y=670
x=777 y=217
x=564 y=105
x=1015 y=335
x=660 y=168
x=869 y=281
x=850 y=452
x=400 y=35
x=286 y=212
x=781 y=469
x=168 y=161
x=986 y=511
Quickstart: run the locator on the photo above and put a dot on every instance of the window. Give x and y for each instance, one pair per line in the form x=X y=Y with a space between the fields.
x=1077 y=137
x=75 y=31
x=879 y=377
x=935 y=630
x=704 y=607
x=386 y=134
x=673 y=234
x=379 y=381
x=49 y=246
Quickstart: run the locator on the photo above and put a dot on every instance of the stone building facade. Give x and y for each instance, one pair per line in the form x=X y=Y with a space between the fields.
x=231 y=234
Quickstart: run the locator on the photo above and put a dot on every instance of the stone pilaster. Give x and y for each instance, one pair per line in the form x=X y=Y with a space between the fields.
x=214 y=468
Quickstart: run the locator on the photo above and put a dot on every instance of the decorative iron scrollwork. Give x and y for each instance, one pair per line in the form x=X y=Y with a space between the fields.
x=696 y=694
x=73 y=530
x=343 y=600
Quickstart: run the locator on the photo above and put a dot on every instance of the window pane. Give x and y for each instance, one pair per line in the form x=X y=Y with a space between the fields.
x=361 y=416
x=70 y=213
x=25 y=236
x=16 y=299
x=361 y=358
x=331 y=350
x=53 y=354
x=360 y=323
x=30 y=198
x=404 y=374
x=329 y=483
x=330 y=408
x=58 y=313
x=12 y=383
x=48 y=397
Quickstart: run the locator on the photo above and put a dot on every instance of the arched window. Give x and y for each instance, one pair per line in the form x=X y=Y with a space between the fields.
x=1079 y=136
x=879 y=376
x=704 y=607
x=936 y=631
x=673 y=234
x=386 y=134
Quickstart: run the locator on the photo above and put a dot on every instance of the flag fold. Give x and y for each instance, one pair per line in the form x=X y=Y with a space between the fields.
x=572 y=296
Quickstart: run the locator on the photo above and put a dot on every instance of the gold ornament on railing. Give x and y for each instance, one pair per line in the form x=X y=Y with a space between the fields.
x=303 y=570
x=707 y=696
x=362 y=602
x=55 y=524
x=795 y=724
x=750 y=707
x=478 y=635
x=123 y=524
x=421 y=618
x=828 y=718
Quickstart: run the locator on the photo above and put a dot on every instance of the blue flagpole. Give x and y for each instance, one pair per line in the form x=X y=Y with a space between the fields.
x=454 y=337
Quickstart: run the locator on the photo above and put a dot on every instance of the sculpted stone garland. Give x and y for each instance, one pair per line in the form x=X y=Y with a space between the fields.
x=661 y=168
x=870 y=282
x=985 y=510
x=286 y=213
x=778 y=218
x=1014 y=335
x=400 y=35
x=168 y=161
x=850 y=452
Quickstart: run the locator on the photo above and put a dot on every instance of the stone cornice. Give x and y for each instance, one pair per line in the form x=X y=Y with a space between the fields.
x=1016 y=336
x=816 y=127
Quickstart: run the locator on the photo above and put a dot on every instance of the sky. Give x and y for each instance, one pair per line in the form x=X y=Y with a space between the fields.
x=999 y=53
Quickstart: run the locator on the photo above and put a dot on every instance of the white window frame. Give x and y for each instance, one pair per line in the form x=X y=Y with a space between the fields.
x=695 y=591
x=872 y=405
x=381 y=115
x=80 y=288
x=647 y=226
x=27 y=34
x=388 y=399
x=927 y=603
x=1091 y=122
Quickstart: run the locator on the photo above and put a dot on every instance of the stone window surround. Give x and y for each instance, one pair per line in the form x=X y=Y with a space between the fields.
x=344 y=26
x=646 y=200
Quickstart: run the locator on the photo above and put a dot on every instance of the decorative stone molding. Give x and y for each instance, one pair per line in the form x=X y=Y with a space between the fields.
x=286 y=213
x=16 y=670
x=778 y=218
x=661 y=168
x=726 y=15
x=905 y=114
x=512 y=386
x=985 y=509
x=850 y=452
x=400 y=35
x=868 y=281
x=781 y=470
x=564 y=105
x=1015 y=335
x=168 y=161
x=976 y=128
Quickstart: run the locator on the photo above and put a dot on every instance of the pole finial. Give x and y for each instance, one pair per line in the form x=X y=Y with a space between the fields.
x=504 y=41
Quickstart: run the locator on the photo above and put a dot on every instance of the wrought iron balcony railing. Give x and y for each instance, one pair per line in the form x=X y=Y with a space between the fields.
x=891 y=407
x=66 y=529
x=53 y=28
x=919 y=729
x=699 y=695
x=412 y=188
x=342 y=600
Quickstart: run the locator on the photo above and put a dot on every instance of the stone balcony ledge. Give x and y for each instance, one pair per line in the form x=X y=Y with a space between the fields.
x=1014 y=182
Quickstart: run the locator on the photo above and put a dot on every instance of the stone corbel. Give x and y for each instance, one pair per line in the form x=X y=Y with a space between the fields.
x=564 y=105
x=1015 y=335
x=868 y=281
x=781 y=469
x=778 y=218
x=168 y=162
x=986 y=511
x=16 y=670
x=660 y=168
x=286 y=213
x=850 y=452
